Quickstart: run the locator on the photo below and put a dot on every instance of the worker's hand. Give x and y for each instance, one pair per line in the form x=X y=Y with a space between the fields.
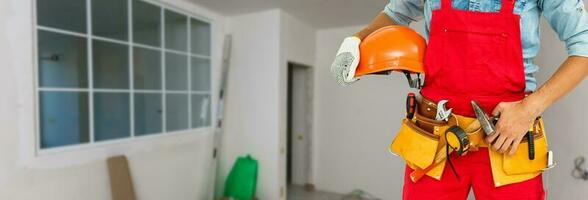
x=346 y=61
x=513 y=125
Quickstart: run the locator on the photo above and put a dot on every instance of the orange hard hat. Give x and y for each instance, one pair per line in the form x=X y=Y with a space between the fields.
x=391 y=48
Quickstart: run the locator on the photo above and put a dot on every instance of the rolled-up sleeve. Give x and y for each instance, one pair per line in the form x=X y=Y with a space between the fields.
x=404 y=12
x=569 y=18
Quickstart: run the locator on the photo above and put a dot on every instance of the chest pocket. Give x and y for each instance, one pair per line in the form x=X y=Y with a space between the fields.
x=479 y=5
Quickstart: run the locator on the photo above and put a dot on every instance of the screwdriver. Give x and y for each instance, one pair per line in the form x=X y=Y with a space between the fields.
x=410 y=105
x=531 y=140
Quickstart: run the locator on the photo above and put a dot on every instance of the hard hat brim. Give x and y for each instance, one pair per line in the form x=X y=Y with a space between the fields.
x=397 y=64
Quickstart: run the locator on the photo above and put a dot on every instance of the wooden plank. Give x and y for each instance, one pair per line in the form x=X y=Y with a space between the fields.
x=121 y=184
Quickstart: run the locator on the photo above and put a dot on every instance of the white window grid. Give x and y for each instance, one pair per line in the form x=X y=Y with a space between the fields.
x=131 y=91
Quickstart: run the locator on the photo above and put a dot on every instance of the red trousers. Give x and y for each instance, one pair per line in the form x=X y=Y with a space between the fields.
x=474 y=172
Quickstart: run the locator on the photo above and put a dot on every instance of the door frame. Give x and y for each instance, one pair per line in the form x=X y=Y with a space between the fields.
x=308 y=122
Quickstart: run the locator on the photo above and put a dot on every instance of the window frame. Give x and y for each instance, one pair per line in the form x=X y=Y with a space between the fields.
x=92 y=144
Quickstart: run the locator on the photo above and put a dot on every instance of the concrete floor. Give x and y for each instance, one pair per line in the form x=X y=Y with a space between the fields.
x=299 y=193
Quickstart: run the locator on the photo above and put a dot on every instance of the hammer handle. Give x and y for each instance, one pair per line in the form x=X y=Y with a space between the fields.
x=417 y=174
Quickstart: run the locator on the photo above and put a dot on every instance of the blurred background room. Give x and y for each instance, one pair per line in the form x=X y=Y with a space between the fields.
x=121 y=99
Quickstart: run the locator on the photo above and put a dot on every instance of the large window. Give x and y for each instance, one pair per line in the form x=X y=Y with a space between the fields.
x=119 y=69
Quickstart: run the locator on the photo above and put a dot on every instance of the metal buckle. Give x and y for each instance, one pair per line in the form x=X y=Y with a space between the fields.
x=415 y=83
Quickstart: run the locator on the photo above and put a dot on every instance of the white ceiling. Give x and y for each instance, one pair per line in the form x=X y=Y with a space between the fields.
x=317 y=13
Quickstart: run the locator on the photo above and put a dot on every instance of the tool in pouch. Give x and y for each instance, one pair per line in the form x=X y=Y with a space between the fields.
x=456 y=138
x=442 y=112
x=488 y=124
x=410 y=105
x=441 y=157
x=458 y=141
x=426 y=151
x=536 y=143
x=531 y=140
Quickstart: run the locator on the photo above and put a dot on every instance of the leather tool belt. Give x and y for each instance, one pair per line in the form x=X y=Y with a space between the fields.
x=422 y=142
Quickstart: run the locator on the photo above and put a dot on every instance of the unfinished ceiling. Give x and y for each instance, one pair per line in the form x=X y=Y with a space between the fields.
x=317 y=13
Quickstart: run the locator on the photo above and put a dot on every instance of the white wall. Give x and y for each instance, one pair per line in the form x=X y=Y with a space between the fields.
x=252 y=117
x=297 y=45
x=355 y=125
x=565 y=123
x=174 y=167
x=263 y=43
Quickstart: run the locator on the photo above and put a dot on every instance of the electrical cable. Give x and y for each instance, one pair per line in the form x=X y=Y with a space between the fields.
x=579 y=172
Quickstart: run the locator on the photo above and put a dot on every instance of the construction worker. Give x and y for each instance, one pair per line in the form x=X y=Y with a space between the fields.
x=483 y=50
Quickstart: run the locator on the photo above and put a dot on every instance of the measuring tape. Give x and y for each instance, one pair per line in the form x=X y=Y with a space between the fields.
x=457 y=139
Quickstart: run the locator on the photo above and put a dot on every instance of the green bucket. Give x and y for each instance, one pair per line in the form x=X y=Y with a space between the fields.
x=242 y=180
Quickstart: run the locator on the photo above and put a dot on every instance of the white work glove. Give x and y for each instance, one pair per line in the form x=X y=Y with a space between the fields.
x=346 y=61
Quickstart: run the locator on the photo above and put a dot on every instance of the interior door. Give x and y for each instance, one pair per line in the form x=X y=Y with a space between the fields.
x=299 y=125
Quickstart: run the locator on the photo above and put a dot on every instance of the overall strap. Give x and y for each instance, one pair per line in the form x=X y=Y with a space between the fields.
x=446 y=5
x=507 y=7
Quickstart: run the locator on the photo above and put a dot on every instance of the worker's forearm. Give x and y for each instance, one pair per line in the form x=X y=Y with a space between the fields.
x=380 y=21
x=567 y=77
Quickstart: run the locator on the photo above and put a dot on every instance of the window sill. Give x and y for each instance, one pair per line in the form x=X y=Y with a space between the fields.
x=98 y=152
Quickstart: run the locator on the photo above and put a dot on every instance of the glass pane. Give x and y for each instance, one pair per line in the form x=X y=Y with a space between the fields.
x=200 y=74
x=147 y=69
x=176 y=31
x=111 y=116
x=111 y=63
x=148 y=110
x=110 y=19
x=176 y=106
x=63 y=118
x=200 y=36
x=63 y=14
x=200 y=110
x=176 y=73
x=146 y=23
x=62 y=60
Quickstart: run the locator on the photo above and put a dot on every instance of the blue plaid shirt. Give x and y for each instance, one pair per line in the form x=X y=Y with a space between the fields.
x=569 y=18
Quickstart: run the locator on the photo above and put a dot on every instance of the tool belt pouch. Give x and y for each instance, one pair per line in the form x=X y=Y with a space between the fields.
x=520 y=163
x=415 y=145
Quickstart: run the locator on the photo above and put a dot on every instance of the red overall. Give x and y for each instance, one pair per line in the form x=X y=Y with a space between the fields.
x=473 y=56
